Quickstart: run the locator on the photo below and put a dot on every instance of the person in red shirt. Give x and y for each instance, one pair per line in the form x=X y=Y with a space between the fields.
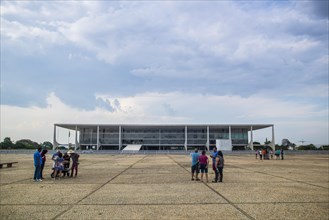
x=204 y=162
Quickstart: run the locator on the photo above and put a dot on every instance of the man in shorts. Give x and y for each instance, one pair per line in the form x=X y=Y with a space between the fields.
x=195 y=164
x=204 y=162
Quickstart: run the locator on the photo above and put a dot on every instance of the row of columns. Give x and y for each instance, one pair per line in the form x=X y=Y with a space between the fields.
x=185 y=144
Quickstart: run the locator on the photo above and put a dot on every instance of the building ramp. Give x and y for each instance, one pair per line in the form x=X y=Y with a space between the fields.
x=132 y=147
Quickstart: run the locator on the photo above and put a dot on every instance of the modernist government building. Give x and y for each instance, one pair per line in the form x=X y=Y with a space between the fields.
x=159 y=136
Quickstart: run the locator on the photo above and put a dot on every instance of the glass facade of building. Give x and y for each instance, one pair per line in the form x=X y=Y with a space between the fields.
x=159 y=137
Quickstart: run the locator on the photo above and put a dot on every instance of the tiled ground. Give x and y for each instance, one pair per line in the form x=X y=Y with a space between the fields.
x=160 y=187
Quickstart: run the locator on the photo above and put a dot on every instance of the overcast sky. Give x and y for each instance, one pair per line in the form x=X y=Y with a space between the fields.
x=232 y=62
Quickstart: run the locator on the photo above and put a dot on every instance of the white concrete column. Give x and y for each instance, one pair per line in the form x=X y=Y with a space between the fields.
x=97 y=138
x=159 y=137
x=251 y=139
x=208 y=141
x=54 y=141
x=273 y=139
x=91 y=138
x=230 y=136
x=229 y=133
x=185 y=138
x=76 y=138
x=120 y=138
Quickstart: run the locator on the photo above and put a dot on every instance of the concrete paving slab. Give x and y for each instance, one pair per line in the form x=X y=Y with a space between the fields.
x=271 y=192
x=321 y=184
x=14 y=175
x=39 y=193
x=159 y=170
x=196 y=211
x=298 y=211
x=251 y=178
x=159 y=186
x=152 y=178
x=85 y=176
x=105 y=165
x=230 y=169
x=171 y=193
x=305 y=177
x=39 y=211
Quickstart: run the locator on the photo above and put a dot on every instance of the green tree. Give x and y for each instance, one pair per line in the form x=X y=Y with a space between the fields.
x=26 y=144
x=47 y=145
x=267 y=142
x=279 y=147
x=324 y=147
x=307 y=147
x=7 y=143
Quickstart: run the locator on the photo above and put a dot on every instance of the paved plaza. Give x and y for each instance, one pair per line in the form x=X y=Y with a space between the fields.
x=160 y=187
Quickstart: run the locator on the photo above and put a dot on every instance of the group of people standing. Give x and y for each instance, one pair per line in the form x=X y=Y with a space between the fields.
x=201 y=163
x=265 y=154
x=61 y=164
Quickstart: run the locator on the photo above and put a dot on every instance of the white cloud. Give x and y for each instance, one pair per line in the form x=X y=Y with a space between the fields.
x=183 y=62
x=15 y=30
x=291 y=120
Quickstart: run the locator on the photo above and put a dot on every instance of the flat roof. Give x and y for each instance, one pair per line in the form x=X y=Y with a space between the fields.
x=246 y=126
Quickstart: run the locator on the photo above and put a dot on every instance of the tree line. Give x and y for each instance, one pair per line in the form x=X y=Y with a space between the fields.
x=7 y=143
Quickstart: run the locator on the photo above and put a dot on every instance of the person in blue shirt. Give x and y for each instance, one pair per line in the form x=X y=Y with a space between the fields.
x=213 y=156
x=195 y=164
x=37 y=165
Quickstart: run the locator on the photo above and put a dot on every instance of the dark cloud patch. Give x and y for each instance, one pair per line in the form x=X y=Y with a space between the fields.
x=111 y=106
x=316 y=9
x=27 y=79
x=315 y=30
x=223 y=49
x=320 y=8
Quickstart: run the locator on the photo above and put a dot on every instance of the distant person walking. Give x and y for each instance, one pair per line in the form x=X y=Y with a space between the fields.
x=277 y=154
x=43 y=157
x=204 y=163
x=281 y=152
x=219 y=167
x=264 y=154
x=37 y=165
x=260 y=155
x=195 y=164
